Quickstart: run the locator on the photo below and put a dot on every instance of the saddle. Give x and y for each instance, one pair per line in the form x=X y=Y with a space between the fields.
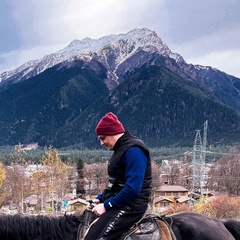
x=150 y=227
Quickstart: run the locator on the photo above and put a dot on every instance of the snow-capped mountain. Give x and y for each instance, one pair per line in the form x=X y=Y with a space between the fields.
x=122 y=46
x=57 y=100
x=121 y=54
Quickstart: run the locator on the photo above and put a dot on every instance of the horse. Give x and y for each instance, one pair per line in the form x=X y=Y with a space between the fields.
x=183 y=226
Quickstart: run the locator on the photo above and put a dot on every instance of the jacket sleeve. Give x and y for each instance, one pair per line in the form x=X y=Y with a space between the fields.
x=135 y=162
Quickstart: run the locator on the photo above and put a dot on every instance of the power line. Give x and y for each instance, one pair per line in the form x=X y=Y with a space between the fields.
x=221 y=153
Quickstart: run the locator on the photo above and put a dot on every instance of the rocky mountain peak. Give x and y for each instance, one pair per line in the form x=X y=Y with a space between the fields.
x=116 y=56
x=124 y=45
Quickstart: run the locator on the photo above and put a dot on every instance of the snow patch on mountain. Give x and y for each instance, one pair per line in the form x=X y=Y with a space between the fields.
x=125 y=45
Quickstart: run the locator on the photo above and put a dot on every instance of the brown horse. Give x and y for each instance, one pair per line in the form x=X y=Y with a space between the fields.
x=184 y=226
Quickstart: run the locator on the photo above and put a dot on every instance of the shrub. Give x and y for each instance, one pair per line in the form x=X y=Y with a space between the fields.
x=177 y=208
x=221 y=206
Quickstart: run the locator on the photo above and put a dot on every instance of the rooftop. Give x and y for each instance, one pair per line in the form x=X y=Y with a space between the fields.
x=172 y=188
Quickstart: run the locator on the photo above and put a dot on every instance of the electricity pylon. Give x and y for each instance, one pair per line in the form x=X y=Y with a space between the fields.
x=198 y=166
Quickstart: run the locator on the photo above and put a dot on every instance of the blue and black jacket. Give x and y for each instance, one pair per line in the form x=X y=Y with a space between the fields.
x=130 y=176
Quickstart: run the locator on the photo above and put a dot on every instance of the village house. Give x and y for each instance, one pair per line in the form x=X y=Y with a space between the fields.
x=168 y=195
x=78 y=204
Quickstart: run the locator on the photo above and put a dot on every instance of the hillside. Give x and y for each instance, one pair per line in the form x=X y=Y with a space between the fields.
x=38 y=106
x=58 y=100
x=160 y=107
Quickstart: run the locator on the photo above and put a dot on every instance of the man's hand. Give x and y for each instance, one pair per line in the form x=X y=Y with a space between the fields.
x=99 y=209
x=92 y=203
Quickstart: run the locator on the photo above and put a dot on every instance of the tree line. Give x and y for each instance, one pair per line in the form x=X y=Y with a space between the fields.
x=56 y=174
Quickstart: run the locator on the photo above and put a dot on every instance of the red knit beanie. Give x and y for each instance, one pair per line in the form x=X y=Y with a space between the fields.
x=109 y=125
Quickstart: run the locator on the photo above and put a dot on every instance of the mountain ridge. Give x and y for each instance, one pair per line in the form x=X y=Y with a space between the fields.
x=86 y=48
x=155 y=109
x=133 y=75
x=115 y=53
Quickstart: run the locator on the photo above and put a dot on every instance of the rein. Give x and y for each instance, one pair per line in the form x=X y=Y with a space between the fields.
x=89 y=218
x=163 y=218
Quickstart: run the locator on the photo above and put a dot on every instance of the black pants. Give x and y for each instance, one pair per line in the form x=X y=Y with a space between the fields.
x=113 y=223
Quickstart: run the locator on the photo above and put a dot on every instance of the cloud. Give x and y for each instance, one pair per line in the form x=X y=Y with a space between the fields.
x=15 y=58
x=202 y=32
x=219 y=49
x=40 y=25
x=58 y=21
x=224 y=61
x=190 y=20
x=222 y=39
x=95 y=19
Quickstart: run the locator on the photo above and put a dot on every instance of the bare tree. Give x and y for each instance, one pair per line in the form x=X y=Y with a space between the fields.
x=17 y=186
x=156 y=173
x=95 y=176
x=80 y=182
x=225 y=173
x=174 y=173
x=186 y=171
x=172 y=170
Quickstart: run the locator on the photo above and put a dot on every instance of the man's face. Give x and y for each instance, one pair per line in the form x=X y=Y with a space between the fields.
x=107 y=141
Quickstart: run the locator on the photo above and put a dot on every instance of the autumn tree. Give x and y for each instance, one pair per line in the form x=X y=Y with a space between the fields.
x=2 y=174
x=221 y=206
x=39 y=185
x=51 y=178
x=176 y=207
x=2 y=186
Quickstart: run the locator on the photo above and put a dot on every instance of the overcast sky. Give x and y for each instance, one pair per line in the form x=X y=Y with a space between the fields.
x=203 y=32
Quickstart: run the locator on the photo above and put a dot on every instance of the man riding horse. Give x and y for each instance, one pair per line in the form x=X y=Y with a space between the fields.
x=126 y=196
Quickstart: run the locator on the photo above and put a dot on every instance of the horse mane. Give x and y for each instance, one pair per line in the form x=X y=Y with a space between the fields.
x=39 y=227
x=186 y=225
